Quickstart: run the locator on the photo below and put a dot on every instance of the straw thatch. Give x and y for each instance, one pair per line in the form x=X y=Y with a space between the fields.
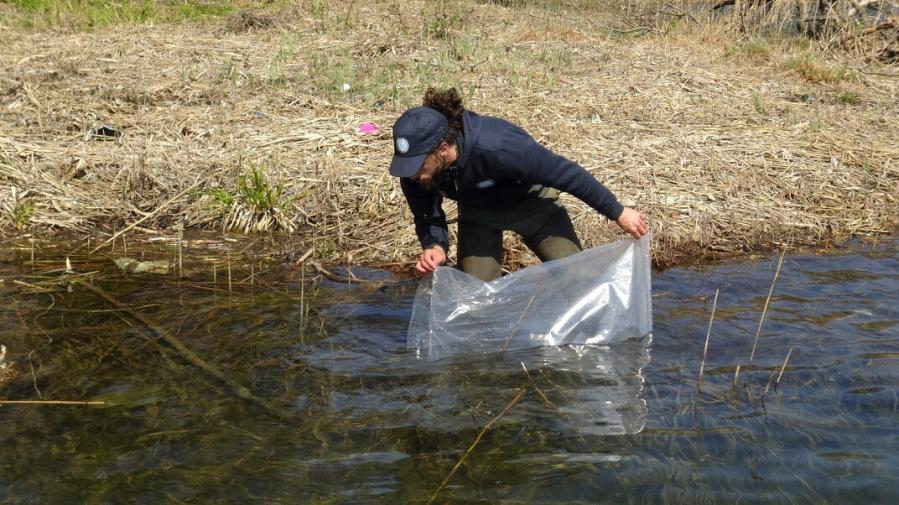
x=726 y=146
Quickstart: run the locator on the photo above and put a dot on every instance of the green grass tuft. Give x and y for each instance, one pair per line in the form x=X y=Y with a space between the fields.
x=21 y=214
x=849 y=98
x=757 y=103
x=222 y=197
x=754 y=48
x=255 y=192
x=812 y=70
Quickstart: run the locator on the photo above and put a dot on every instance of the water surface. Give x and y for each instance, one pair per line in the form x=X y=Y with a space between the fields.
x=373 y=424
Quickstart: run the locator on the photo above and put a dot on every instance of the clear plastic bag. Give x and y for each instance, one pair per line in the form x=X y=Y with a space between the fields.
x=598 y=296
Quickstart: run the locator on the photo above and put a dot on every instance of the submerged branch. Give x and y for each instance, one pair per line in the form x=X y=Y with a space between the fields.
x=192 y=357
x=474 y=444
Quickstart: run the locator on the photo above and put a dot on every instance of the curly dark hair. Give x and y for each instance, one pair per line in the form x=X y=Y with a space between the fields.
x=449 y=103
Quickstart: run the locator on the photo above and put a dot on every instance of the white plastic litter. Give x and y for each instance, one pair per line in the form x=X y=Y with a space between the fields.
x=598 y=296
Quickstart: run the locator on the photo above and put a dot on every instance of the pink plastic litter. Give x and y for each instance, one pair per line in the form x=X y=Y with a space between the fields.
x=367 y=128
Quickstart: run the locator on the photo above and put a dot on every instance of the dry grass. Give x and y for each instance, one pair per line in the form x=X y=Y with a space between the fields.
x=721 y=138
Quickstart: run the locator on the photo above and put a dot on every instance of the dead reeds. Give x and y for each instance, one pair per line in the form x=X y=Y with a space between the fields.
x=749 y=363
x=724 y=154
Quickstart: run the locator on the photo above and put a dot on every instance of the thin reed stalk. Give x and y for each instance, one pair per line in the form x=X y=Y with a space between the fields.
x=767 y=301
x=779 y=374
x=180 y=247
x=302 y=299
x=782 y=368
x=705 y=348
x=302 y=263
x=34 y=376
x=546 y=400
x=517 y=324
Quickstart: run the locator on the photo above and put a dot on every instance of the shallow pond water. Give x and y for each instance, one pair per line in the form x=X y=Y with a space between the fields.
x=370 y=423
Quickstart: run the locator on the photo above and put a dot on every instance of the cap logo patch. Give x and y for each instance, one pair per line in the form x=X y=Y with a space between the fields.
x=402 y=145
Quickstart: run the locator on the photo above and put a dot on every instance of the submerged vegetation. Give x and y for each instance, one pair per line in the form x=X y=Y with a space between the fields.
x=729 y=127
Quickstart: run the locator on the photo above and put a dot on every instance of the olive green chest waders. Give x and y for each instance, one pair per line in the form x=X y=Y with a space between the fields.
x=540 y=219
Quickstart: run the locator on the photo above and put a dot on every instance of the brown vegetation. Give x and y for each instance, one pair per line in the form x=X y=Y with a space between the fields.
x=728 y=140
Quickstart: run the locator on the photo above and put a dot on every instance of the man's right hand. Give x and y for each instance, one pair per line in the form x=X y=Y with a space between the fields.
x=632 y=222
x=430 y=259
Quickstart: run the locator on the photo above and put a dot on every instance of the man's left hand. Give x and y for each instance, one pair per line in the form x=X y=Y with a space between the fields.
x=631 y=221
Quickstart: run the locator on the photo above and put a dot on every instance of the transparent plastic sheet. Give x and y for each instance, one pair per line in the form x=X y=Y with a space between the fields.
x=598 y=296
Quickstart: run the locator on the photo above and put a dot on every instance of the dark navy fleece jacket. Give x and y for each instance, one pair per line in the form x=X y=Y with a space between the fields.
x=496 y=168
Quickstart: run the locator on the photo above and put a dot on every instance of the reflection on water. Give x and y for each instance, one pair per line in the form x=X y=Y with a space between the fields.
x=375 y=424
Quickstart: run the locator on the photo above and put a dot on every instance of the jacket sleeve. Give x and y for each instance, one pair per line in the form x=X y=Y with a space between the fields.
x=427 y=212
x=523 y=158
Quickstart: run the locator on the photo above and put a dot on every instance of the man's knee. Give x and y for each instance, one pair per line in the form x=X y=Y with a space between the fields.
x=556 y=247
x=480 y=250
x=485 y=268
x=556 y=238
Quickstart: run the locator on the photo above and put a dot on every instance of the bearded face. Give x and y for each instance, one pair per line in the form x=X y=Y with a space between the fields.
x=432 y=172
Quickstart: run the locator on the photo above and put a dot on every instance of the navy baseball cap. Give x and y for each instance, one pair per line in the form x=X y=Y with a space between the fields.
x=416 y=133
